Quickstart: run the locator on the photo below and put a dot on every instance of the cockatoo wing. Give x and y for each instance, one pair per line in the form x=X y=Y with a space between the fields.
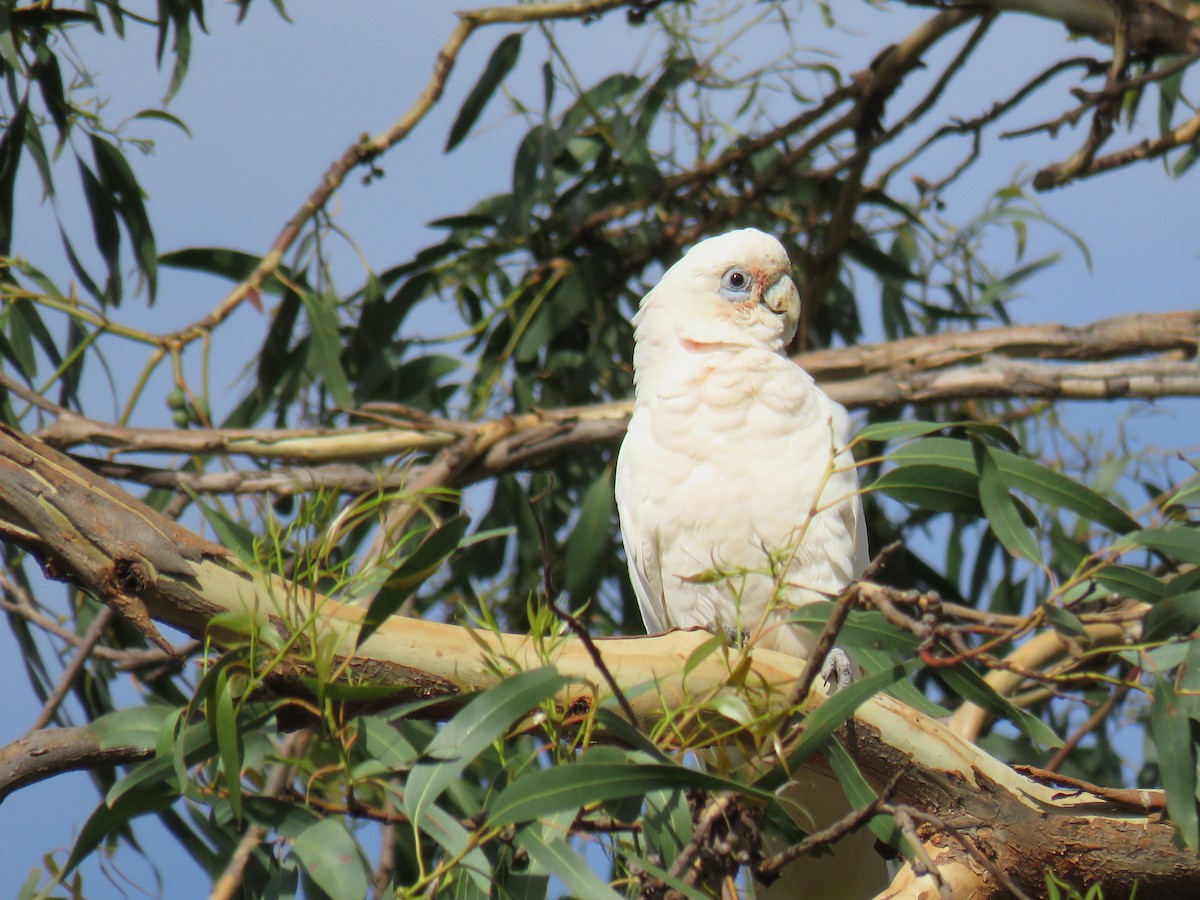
x=641 y=540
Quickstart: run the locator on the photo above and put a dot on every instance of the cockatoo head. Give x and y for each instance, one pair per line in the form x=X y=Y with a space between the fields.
x=732 y=290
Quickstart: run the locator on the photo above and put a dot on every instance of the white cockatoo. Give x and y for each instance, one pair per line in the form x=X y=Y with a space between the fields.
x=737 y=497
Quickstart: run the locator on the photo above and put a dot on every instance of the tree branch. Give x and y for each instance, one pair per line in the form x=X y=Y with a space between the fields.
x=43 y=754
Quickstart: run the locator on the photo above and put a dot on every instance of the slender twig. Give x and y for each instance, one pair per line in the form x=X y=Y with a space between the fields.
x=975 y=126
x=228 y=885
x=572 y=621
x=1186 y=133
x=1093 y=721
x=1140 y=799
x=848 y=824
x=90 y=638
x=837 y=617
x=905 y=816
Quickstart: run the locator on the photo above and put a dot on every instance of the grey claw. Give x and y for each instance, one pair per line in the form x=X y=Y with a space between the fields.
x=837 y=669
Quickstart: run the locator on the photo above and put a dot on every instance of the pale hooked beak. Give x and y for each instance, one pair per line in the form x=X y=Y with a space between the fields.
x=782 y=298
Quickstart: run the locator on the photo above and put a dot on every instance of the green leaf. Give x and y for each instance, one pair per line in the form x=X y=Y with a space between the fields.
x=325 y=346
x=931 y=486
x=567 y=787
x=501 y=62
x=224 y=262
x=1130 y=582
x=332 y=859
x=903 y=690
x=136 y=726
x=233 y=534
x=118 y=179
x=107 y=819
x=863 y=251
x=472 y=730
x=1170 y=727
x=1000 y=509
x=446 y=830
x=1019 y=474
x=229 y=742
x=384 y=742
x=899 y=430
x=967 y=683
x=1172 y=617
x=861 y=629
x=1064 y=620
x=589 y=544
x=105 y=229
x=558 y=858
x=161 y=115
x=1002 y=287
x=10 y=157
x=410 y=574
x=859 y=792
x=1169 y=89
x=1179 y=543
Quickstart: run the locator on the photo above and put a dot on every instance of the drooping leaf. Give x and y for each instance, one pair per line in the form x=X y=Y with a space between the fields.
x=472 y=730
x=229 y=742
x=1170 y=727
x=557 y=857
x=126 y=194
x=325 y=346
x=1000 y=509
x=859 y=792
x=332 y=859
x=968 y=684
x=588 y=546
x=11 y=144
x=567 y=787
x=501 y=62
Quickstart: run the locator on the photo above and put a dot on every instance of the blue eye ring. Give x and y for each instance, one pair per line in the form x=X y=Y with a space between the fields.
x=736 y=281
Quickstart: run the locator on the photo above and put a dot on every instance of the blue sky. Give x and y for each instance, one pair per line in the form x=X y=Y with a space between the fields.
x=270 y=104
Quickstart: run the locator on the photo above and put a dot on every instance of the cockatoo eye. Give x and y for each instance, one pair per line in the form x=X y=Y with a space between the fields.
x=736 y=282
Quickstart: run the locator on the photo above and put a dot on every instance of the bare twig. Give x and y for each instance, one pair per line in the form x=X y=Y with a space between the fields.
x=572 y=621
x=229 y=883
x=837 y=617
x=1093 y=721
x=85 y=648
x=849 y=823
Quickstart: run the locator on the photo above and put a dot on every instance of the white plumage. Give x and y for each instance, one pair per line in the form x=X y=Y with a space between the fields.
x=737 y=498
x=734 y=463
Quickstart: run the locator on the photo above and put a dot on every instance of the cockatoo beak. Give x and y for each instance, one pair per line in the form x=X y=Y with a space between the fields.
x=782 y=298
